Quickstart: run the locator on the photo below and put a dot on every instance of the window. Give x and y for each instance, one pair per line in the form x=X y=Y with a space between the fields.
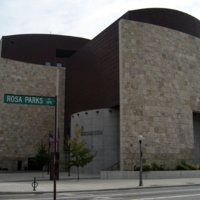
x=48 y=63
x=62 y=53
x=59 y=64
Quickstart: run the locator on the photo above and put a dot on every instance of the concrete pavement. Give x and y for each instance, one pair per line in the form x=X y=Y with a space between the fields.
x=21 y=183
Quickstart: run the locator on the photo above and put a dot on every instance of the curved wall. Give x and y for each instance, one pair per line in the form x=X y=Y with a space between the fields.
x=100 y=130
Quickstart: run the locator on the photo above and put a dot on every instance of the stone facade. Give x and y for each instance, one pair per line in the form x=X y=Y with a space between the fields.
x=159 y=91
x=23 y=127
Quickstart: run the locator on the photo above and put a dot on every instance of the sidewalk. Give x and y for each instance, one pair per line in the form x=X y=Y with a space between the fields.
x=21 y=183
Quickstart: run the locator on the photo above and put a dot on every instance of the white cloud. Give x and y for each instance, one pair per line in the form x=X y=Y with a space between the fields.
x=83 y=18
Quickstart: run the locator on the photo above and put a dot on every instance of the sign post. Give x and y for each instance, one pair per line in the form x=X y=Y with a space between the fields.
x=42 y=101
x=55 y=151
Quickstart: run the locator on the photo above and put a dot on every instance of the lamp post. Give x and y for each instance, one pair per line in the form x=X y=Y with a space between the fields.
x=140 y=139
x=55 y=152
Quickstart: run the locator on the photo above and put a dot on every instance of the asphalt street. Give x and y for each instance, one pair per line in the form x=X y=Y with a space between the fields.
x=164 y=193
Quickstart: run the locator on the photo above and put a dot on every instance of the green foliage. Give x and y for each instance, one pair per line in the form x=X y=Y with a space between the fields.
x=185 y=166
x=42 y=156
x=146 y=167
x=150 y=167
x=156 y=167
x=79 y=154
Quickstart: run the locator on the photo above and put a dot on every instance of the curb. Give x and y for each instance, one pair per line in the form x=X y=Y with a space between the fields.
x=106 y=189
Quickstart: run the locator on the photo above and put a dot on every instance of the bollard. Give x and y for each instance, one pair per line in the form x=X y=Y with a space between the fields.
x=34 y=184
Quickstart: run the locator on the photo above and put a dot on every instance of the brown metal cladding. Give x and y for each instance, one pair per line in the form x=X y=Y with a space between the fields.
x=92 y=78
x=39 y=48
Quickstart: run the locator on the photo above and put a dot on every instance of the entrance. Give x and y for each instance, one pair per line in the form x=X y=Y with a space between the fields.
x=19 y=165
x=32 y=165
x=196 y=131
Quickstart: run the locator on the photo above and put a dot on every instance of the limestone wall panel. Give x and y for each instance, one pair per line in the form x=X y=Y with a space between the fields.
x=159 y=90
x=23 y=127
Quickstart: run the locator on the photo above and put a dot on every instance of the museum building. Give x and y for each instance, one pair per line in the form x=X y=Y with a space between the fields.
x=139 y=76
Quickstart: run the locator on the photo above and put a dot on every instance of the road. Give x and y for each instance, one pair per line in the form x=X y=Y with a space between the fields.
x=172 y=193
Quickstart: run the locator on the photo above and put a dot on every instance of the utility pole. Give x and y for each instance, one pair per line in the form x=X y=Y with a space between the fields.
x=56 y=139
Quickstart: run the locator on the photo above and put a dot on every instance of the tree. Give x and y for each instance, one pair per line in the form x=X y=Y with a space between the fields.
x=42 y=156
x=79 y=154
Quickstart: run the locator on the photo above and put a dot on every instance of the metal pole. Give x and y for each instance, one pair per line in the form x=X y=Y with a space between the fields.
x=34 y=184
x=55 y=150
x=140 y=181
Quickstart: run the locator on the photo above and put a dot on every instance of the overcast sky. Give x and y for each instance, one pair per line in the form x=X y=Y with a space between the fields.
x=82 y=18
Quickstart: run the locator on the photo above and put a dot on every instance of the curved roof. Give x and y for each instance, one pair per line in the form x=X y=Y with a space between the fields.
x=168 y=18
x=40 y=48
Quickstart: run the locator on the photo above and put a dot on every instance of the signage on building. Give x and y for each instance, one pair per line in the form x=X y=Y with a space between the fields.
x=27 y=99
x=87 y=133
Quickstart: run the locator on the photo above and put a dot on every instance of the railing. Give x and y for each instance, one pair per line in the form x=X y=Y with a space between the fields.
x=113 y=167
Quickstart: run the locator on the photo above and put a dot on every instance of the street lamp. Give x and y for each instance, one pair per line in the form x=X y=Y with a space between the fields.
x=140 y=138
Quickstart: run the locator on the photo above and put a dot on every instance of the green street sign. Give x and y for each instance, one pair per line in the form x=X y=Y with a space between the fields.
x=27 y=99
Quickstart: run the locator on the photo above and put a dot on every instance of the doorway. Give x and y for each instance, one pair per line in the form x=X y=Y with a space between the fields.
x=19 y=165
x=196 y=131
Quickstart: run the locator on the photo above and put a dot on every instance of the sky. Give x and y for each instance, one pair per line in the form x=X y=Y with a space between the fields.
x=80 y=18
